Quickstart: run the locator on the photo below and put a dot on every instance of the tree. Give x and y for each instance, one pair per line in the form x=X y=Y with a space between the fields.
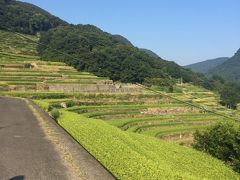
x=221 y=141
x=26 y=18
x=229 y=95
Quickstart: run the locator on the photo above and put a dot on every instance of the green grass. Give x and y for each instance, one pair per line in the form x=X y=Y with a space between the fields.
x=30 y=74
x=132 y=156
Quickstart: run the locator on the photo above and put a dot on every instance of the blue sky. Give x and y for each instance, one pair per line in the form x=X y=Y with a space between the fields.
x=184 y=31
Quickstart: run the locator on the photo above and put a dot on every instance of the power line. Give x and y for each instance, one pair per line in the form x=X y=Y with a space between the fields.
x=189 y=104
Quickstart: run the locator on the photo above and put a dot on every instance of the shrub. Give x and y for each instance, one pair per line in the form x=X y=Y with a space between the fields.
x=229 y=95
x=164 y=82
x=27 y=65
x=170 y=89
x=55 y=114
x=50 y=108
x=70 y=103
x=221 y=141
x=54 y=106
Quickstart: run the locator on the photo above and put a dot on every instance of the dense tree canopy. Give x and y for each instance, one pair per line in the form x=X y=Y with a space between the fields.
x=230 y=96
x=25 y=18
x=221 y=141
x=229 y=69
x=107 y=55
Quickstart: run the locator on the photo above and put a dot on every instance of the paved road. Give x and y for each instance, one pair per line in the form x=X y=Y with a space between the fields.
x=26 y=153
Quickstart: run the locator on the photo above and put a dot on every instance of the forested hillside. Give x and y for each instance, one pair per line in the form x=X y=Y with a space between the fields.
x=123 y=39
x=230 y=69
x=149 y=52
x=105 y=55
x=88 y=48
x=206 y=66
x=26 y=18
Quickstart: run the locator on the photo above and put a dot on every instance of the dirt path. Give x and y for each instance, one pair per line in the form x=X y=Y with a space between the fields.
x=26 y=152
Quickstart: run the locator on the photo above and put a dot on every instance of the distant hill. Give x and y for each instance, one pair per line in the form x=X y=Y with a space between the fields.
x=26 y=18
x=206 y=66
x=149 y=52
x=230 y=69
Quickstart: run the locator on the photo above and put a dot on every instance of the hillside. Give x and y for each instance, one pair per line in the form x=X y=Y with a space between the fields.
x=230 y=69
x=105 y=55
x=206 y=66
x=26 y=18
x=150 y=53
x=22 y=70
x=124 y=131
x=123 y=39
x=96 y=51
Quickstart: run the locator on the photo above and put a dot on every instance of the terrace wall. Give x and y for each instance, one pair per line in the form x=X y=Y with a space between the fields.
x=95 y=88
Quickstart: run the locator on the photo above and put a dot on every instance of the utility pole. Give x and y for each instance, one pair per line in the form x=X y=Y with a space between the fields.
x=181 y=81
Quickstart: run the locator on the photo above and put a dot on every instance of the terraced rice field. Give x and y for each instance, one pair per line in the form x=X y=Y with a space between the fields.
x=25 y=74
x=121 y=130
x=21 y=69
x=147 y=113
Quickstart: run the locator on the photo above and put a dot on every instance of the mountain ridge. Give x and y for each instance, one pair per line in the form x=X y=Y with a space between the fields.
x=150 y=52
x=230 y=69
x=226 y=67
x=207 y=65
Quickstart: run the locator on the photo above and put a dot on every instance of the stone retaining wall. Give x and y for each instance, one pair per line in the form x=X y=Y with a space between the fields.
x=94 y=88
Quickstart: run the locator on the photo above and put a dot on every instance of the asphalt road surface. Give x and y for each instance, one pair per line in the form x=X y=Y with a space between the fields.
x=26 y=153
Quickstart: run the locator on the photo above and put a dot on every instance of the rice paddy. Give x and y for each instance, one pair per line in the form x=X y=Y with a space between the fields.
x=126 y=132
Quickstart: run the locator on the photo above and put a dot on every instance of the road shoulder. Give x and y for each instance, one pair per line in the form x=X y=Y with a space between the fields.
x=76 y=158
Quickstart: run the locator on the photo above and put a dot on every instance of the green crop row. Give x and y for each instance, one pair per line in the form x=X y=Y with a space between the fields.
x=20 y=80
x=123 y=106
x=127 y=122
x=70 y=82
x=96 y=114
x=159 y=132
x=139 y=125
x=2 y=73
x=170 y=125
x=17 y=56
x=20 y=83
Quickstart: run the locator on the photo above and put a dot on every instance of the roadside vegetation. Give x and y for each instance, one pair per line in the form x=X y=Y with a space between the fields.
x=221 y=141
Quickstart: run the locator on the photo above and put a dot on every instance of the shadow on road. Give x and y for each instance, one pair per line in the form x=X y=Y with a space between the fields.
x=17 y=178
